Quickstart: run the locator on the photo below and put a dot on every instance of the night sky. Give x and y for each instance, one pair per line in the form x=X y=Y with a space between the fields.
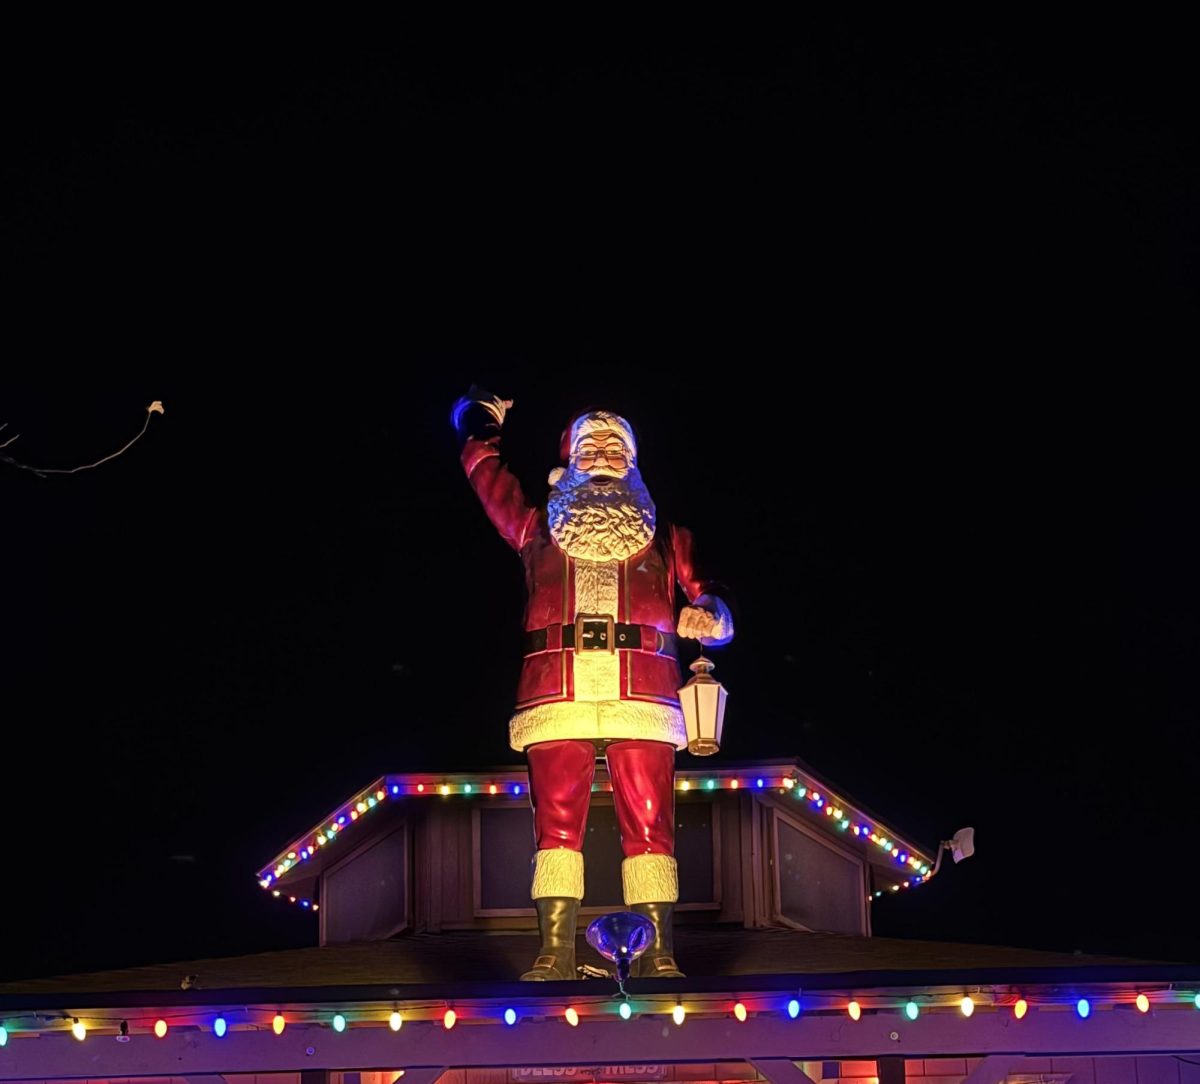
x=886 y=313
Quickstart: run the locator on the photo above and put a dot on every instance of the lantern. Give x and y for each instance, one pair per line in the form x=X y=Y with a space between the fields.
x=703 y=703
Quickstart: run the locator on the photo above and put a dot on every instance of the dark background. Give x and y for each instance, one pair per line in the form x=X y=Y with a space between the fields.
x=887 y=309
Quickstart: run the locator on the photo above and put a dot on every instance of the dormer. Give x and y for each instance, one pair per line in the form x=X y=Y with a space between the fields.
x=764 y=844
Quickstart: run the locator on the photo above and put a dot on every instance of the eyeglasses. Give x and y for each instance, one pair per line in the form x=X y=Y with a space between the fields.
x=589 y=453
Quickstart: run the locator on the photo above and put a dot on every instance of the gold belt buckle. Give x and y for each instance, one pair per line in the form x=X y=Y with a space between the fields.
x=608 y=635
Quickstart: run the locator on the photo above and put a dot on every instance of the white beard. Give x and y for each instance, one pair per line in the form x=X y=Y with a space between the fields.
x=594 y=523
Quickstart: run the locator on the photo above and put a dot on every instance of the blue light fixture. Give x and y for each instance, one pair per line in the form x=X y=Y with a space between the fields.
x=621 y=936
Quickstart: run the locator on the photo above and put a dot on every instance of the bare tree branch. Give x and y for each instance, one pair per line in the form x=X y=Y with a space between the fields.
x=154 y=408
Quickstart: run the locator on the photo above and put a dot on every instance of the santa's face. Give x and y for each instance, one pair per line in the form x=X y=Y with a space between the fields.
x=603 y=454
x=598 y=508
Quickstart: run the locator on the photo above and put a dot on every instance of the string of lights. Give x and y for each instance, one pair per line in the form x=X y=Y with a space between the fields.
x=448 y=1015
x=809 y=793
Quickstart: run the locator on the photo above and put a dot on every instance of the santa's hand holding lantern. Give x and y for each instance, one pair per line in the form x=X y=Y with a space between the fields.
x=601 y=671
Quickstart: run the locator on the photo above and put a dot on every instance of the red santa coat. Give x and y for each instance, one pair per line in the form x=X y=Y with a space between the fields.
x=596 y=695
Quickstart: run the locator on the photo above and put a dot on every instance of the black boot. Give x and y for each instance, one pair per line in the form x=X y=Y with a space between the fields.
x=556 y=923
x=658 y=961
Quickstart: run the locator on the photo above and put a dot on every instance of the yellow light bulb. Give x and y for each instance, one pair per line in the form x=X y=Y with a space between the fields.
x=678 y=1013
x=854 y=1009
x=739 y=1010
x=1020 y=1008
x=278 y=1024
x=572 y=1017
x=394 y=1021
x=1143 y=1003
x=79 y=1031
x=967 y=1006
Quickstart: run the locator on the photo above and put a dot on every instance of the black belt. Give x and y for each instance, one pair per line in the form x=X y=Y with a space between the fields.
x=595 y=634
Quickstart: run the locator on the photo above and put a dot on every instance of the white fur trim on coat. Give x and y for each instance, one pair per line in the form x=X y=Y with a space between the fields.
x=615 y=719
x=650 y=878
x=557 y=872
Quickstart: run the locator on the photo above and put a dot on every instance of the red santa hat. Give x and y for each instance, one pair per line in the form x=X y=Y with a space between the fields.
x=585 y=422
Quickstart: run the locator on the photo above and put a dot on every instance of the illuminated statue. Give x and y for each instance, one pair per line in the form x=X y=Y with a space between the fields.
x=601 y=674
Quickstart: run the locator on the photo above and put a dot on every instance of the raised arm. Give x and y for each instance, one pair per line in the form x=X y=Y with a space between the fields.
x=478 y=417
x=708 y=618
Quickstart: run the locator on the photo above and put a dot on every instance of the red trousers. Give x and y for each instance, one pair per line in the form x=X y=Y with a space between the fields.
x=643 y=782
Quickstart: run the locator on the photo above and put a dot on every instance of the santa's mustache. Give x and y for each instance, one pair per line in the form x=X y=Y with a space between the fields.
x=575 y=485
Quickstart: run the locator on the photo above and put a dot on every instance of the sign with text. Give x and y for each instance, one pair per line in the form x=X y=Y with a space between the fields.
x=587 y=1072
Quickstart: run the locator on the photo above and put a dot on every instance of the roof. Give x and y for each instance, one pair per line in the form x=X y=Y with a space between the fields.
x=290 y=875
x=714 y=957
x=751 y=994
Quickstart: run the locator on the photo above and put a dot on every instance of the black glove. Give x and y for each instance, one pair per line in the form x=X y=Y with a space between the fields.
x=478 y=414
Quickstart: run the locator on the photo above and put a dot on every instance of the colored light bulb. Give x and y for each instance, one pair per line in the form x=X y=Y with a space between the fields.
x=625 y=1011
x=572 y=1017
x=739 y=1011
x=3 y=1036
x=678 y=1013
x=912 y=1010
x=79 y=1030
x=510 y=1015
x=339 y=1023
x=793 y=1009
x=394 y=1021
x=449 y=1019
x=966 y=1006
x=1083 y=1007
x=1143 y=1003
x=160 y=1029
x=1020 y=1008
x=854 y=1009
x=278 y=1024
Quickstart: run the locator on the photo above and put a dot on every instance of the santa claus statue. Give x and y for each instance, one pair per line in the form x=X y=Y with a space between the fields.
x=601 y=672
